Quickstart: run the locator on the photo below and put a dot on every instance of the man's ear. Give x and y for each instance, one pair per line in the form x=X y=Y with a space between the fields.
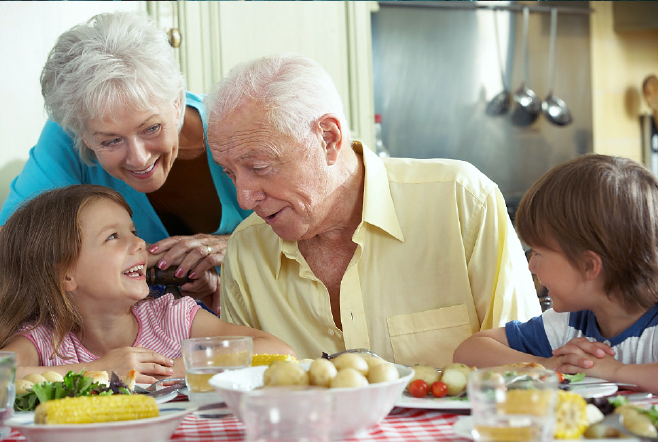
x=332 y=135
x=593 y=264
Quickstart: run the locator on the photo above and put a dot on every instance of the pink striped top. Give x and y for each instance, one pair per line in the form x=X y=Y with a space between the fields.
x=163 y=323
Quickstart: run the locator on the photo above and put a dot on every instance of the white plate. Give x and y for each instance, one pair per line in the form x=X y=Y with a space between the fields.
x=154 y=429
x=430 y=402
x=464 y=426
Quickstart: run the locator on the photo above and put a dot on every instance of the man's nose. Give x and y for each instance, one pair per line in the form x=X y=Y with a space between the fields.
x=248 y=198
x=249 y=192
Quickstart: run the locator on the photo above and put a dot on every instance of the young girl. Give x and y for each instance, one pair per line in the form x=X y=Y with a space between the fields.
x=73 y=292
x=592 y=223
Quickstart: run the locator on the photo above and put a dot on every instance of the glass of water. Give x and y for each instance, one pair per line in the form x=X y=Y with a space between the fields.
x=513 y=404
x=205 y=357
x=7 y=389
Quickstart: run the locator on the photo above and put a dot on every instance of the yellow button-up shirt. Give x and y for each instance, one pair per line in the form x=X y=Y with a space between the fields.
x=437 y=259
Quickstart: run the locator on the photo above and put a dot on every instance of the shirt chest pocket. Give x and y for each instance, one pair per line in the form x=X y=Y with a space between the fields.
x=428 y=337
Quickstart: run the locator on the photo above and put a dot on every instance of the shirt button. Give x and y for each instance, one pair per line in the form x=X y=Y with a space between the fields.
x=331 y=332
x=606 y=342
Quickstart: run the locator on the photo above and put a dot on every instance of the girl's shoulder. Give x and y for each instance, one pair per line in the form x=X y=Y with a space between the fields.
x=165 y=305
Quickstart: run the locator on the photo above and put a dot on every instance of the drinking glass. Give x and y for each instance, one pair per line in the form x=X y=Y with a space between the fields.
x=7 y=389
x=287 y=414
x=205 y=357
x=513 y=405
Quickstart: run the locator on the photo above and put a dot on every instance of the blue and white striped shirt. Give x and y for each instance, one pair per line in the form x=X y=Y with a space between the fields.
x=539 y=336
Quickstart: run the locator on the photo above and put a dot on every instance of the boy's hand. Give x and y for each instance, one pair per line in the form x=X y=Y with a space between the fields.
x=605 y=368
x=579 y=354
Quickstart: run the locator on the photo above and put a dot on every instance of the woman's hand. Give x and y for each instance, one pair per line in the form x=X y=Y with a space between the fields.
x=149 y=365
x=197 y=255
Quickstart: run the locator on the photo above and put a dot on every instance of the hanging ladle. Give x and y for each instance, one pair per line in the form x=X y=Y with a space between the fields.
x=528 y=105
x=555 y=110
x=499 y=104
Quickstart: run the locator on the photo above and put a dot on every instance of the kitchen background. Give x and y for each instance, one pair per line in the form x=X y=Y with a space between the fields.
x=429 y=68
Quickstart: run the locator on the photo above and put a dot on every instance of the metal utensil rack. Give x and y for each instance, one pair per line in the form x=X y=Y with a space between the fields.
x=516 y=7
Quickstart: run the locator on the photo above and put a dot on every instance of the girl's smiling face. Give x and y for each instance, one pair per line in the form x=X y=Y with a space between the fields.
x=112 y=261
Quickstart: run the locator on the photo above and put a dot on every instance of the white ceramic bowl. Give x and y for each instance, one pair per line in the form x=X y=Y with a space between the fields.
x=355 y=409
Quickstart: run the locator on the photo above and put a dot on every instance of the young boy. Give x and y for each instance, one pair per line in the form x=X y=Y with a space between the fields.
x=592 y=223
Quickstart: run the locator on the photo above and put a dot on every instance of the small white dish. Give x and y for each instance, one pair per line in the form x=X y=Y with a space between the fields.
x=156 y=429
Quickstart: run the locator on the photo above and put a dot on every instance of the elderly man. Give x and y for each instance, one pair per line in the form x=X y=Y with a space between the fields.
x=345 y=250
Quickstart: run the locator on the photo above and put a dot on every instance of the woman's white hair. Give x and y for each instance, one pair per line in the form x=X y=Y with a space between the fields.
x=112 y=62
x=294 y=90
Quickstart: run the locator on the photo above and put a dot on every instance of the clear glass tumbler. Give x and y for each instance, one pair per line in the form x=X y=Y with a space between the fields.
x=7 y=389
x=513 y=405
x=205 y=357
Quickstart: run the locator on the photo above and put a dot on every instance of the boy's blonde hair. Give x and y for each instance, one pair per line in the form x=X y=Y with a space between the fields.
x=38 y=244
x=604 y=204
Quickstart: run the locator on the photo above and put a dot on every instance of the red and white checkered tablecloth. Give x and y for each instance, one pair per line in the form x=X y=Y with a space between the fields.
x=401 y=425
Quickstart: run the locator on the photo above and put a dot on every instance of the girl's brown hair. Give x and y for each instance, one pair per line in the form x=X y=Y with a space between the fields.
x=38 y=244
x=604 y=204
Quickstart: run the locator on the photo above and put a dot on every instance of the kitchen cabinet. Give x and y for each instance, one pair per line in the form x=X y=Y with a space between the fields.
x=217 y=35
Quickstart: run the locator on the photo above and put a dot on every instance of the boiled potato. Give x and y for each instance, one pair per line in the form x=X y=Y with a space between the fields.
x=454 y=380
x=35 y=378
x=351 y=360
x=348 y=378
x=636 y=421
x=465 y=369
x=383 y=372
x=321 y=372
x=285 y=373
x=53 y=376
x=23 y=386
x=429 y=374
x=372 y=361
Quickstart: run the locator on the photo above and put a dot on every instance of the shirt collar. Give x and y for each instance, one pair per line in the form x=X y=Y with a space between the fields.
x=378 y=207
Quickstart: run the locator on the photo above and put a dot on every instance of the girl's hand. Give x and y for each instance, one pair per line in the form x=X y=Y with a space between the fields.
x=149 y=365
x=197 y=254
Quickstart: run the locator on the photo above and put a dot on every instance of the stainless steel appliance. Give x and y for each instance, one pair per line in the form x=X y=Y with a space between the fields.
x=437 y=65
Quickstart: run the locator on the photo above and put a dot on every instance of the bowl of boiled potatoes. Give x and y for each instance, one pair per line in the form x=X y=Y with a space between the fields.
x=364 y=388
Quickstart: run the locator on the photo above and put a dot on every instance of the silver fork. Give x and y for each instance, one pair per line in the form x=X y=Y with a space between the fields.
x=352 y=350
x=154 y=386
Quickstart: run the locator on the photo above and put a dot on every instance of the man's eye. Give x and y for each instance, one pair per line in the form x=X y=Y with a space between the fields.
x=260 y=169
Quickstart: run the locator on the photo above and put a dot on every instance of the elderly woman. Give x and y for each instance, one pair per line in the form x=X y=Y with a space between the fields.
x=120 y=117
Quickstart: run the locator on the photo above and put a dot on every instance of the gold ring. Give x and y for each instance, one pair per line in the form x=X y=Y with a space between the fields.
x=209 y=250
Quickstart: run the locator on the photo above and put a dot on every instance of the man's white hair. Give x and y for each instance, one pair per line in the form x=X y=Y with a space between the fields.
x=294 y=90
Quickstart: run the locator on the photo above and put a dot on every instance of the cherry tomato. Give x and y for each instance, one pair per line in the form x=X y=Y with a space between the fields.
x=418 y=388
x=560 y=377
x=439 y=389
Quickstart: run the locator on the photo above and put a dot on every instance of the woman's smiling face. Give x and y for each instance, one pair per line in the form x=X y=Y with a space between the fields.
x=137 y=147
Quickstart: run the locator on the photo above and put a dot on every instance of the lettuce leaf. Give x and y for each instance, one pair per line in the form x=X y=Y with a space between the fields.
x=574 y=377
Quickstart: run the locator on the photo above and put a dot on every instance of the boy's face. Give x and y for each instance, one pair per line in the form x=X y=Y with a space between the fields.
x=112 y=261
x=568 y=288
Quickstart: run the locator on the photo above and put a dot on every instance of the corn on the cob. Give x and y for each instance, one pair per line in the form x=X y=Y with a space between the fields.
x=570 y=415
x=267 y=359
x=92 y=409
